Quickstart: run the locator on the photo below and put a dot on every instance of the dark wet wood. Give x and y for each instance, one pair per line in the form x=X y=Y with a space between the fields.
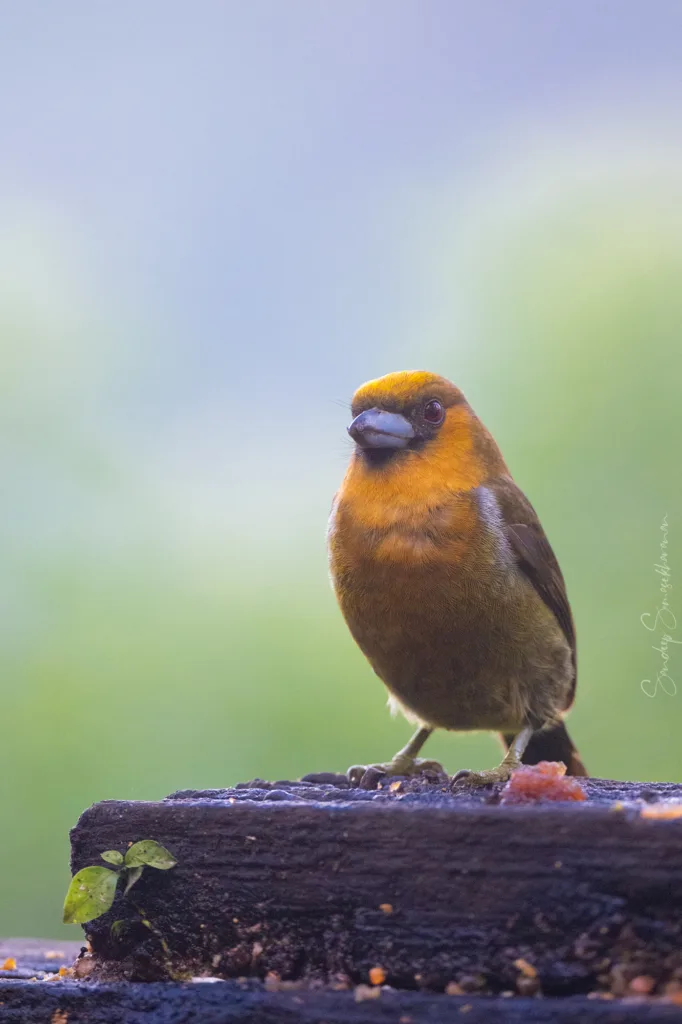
x=231 y=1003
x=317 y=881
x=36 y=958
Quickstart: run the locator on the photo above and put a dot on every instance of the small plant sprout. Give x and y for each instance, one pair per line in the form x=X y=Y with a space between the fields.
x=93 y=889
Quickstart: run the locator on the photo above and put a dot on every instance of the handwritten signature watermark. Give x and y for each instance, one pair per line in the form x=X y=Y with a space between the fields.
x=662 y=622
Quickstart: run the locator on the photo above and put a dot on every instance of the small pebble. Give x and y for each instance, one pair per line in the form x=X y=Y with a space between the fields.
x=363 y=992
x=326 y=779
x=642 y=985
x=471 y=982
x=371 y=778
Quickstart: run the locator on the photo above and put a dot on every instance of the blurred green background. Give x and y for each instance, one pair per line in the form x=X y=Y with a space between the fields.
x=214 y=225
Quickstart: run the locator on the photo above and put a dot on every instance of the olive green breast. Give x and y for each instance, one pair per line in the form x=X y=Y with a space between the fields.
x=446 y=619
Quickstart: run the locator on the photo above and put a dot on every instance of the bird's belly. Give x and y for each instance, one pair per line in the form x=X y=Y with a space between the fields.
x=458 y=650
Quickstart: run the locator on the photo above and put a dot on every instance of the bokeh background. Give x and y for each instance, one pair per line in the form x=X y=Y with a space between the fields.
x=217 y=220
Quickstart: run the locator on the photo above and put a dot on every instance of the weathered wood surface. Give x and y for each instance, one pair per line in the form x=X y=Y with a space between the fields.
x=231 y=1003
x=36 y=958
x=319 y=881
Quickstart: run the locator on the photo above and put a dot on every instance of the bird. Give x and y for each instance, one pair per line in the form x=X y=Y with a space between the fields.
x=447 y=582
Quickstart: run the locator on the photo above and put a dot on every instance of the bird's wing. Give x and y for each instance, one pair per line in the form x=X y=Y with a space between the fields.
x=535 y=557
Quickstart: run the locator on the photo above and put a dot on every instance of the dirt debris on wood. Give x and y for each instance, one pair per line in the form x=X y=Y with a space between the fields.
x=303 y=882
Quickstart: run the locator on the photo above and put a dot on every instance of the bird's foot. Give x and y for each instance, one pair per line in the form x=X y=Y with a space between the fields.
x=465 y=779
x=400 y=765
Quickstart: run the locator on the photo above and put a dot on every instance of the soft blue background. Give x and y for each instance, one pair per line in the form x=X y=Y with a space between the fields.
x=216 y=220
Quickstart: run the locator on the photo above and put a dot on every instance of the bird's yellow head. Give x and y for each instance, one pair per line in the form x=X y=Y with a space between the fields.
x=400 y=412
x=416 y=428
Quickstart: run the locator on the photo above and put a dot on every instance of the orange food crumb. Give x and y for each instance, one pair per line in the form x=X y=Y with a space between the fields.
x=363 y=992
x=386 y=907
x=544 y=781
x=526 y=969
x=10 y=964
x=395 y=786
x=377 y=975
x=65 y=972
x=665 y=811
x=54 y=954
x=453 y=989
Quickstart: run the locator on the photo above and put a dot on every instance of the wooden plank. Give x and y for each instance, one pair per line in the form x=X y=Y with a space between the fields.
x=36 y=958
x=231 y=1003
x=318 y=881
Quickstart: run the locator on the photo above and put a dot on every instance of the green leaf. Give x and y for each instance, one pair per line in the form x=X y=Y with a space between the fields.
x=133 y=875
x=90 y=894
x=118 y=928
x=149 y=853
x=112 y=857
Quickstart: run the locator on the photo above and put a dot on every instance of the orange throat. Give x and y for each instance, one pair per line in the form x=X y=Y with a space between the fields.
x=405 y=509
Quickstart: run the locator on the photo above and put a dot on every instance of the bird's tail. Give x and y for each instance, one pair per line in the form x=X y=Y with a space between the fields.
x=552 y=744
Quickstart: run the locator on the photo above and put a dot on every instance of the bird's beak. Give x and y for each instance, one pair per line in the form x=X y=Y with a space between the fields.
x=377 y=428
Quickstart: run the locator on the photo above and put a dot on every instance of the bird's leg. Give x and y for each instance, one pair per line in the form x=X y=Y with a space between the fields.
x=405 y=762
x=502 y=773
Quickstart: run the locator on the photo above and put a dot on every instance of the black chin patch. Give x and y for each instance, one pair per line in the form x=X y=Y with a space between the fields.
x=377 y=458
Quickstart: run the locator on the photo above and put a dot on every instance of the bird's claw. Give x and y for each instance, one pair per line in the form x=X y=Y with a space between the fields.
x=465 y=778
x=398 y=766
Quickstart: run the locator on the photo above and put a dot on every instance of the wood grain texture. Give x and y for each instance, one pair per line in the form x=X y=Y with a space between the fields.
x=231 y=1003
x=291 y=878
x=36 y=958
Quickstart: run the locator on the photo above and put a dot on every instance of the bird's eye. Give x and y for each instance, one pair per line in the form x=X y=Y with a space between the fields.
x=434 y=411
